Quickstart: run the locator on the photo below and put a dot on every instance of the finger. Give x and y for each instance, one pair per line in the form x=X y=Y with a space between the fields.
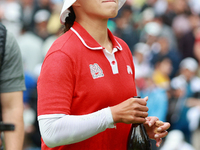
x=143 y=108
x=140 y=101
x=152 y=120
x=146 y=98
x=164 y=127
x=148 y=119
x=161 y=134
x=139 y=106
x=141 y=114
x=158 y=142
x=139 y=120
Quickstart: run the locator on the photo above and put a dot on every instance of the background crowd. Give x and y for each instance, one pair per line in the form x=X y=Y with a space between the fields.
x=164 y=38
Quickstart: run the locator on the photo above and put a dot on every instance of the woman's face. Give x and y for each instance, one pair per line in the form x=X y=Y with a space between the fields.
x=103 y=9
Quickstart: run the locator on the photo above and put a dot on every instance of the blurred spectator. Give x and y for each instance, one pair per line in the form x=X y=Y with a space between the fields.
x=32 y=135
x=150 y=34
x=162 y=71
x=54 y=25
x=188 y=68
x=186 y=37
x=181 y=25
x=149 y=3
x=141 y=62
x=193 y=116
x=28 y=9
x=167 y=32
x=193 y=101
x=160 y=7
x=44 y=4
x=163 y=50
x=169 y=14
x=181 y=7
x=136 y=4
x=184 y=87
x=147 y=16
x=177 y=110
x=176 y=141
x=49 y=41
x=174 y=9
x=197 y=49
x=124 y=27
x=157 y=102
x=142 y=65
x=194 y=5
x=31 y=49
x=10 y=16
x=41 y=19
x=157 y=28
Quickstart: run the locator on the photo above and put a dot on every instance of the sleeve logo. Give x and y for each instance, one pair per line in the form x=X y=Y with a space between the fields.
x=96 y=71
x=129 y=70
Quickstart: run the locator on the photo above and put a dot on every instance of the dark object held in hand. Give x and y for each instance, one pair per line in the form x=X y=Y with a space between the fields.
x=138 y=138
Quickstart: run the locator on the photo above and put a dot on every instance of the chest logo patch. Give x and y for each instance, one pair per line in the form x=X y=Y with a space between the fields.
x=129 y=70
x=96 y=71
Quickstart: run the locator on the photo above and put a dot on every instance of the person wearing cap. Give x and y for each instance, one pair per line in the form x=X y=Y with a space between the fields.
x=185 y=86
x=41 y=19
x=86 y=84
x=188 y=70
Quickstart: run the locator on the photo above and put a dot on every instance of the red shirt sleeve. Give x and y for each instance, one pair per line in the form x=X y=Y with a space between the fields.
x=56 y=84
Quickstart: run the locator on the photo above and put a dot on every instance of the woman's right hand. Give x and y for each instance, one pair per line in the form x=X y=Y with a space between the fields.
x=132 y=110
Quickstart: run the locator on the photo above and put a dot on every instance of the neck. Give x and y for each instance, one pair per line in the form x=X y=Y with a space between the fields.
x=98 y=30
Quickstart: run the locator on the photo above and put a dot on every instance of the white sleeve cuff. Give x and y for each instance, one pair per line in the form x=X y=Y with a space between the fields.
x=61 y=129
x=109 y=118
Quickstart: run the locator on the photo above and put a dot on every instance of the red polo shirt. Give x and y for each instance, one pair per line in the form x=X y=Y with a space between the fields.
x=79 y=77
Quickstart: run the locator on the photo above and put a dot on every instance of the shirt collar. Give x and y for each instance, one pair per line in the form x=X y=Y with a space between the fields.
x=89 y=41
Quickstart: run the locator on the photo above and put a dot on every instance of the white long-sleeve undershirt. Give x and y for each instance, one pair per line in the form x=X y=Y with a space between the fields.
x=61 y=129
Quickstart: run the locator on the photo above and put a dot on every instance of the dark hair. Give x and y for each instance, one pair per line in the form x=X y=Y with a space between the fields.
x=69 y=21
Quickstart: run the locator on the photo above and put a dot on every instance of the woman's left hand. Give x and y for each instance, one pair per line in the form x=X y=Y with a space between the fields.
x=154 y=131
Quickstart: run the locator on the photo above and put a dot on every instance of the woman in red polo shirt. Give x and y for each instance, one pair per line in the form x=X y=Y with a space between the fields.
x=87 y=82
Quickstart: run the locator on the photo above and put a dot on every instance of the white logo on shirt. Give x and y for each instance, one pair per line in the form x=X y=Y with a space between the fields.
x=129 y=70
x=96 y=71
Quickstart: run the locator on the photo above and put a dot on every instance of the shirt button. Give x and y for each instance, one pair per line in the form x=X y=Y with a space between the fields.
x=113 y=62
